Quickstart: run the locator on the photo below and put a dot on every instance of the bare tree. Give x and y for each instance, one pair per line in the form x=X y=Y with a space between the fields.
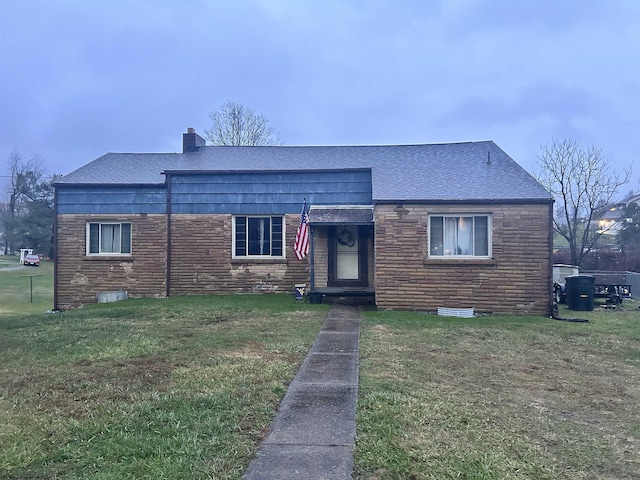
x=583 y=184
x=29 y=204
x=235 y=124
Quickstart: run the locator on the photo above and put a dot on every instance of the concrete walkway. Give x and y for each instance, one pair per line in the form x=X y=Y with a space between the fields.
x=313 y=435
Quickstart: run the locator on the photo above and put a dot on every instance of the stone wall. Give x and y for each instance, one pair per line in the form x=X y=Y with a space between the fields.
x=202 y=263
x=515 y=280
x=320 y=256
x=201 y=260
x=79 y=278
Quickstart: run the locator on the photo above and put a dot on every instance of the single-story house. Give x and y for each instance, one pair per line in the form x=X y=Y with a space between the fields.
x=455 y=225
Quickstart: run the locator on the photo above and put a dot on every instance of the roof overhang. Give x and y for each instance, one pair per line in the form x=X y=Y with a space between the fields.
x=108 y=185
x=341 y=215
x=467 y=201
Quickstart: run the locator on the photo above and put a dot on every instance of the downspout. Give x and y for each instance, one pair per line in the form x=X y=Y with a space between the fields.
x=55 y=248
x=168 y=214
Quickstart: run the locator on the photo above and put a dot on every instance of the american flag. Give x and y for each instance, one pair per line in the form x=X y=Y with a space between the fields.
x=301 y=247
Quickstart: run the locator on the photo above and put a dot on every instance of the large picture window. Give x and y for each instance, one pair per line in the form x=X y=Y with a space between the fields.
x=459 y=236
x=109 y=238
x=258 y=236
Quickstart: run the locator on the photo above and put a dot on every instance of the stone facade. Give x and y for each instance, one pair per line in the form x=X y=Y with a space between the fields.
x=79 y=278
x=202 y=263
x=517 y=279
x=321 y=256
x=201 y=260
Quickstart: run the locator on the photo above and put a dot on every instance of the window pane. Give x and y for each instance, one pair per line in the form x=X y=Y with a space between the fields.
x=481 y=236
x=450 y=235
x=94 y=238
x=109 y=238
x=125 y=244
x=458 y=235
x=276 y=236
x=259 y=236
x=241 y=236
x=465 y=236
x=436 y=245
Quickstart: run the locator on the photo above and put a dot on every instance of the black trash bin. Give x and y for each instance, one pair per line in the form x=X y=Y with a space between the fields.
x=580 y=292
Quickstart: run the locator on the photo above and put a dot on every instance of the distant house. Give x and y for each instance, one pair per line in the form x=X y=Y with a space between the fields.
x=413 y=226
x=634 y=199
x=611 y=221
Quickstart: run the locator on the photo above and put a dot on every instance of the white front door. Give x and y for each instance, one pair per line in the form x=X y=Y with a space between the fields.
x=347 y=253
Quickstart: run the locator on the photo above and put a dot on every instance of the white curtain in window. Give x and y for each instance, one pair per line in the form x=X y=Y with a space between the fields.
x=450 y=237
x=458 y=236
x=261 y=235
x=465 y=236
x=110 y=238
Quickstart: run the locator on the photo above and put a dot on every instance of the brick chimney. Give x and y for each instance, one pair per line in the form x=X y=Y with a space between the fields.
x=191 y=141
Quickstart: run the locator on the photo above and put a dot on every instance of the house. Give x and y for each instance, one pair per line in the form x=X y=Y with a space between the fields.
x=418 y=226
x=633 y=199
x=612 y=219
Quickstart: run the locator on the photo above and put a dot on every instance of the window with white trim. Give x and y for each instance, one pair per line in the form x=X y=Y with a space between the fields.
x=108 y=238
x=460 y=235
x=258 y=236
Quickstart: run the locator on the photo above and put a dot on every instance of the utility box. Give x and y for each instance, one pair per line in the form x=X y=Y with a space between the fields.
x=580 y=289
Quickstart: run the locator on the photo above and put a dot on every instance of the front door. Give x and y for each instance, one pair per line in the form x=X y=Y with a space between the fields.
x=348 y=255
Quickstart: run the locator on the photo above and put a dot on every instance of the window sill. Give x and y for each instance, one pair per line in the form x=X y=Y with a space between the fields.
x=455 y=262
x=254 y=260
x=108 y=258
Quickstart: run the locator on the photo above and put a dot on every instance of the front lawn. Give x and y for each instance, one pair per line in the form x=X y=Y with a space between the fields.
x=185 y=388
x=179 y=388
x=499 y=397
x=19 y=293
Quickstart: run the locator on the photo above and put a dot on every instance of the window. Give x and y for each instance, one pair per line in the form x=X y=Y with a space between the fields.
x=459 y=236
x=258 y=236
x=109 y=238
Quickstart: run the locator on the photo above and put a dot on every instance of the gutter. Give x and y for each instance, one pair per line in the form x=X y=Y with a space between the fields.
x=462 y=201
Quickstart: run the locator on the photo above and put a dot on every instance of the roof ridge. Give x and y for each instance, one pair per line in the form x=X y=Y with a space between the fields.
x=378 y=145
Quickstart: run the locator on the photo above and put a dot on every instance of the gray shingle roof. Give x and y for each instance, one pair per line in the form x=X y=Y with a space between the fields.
x=440 y=172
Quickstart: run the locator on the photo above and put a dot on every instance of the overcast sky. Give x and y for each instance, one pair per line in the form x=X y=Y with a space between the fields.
x=82 y=78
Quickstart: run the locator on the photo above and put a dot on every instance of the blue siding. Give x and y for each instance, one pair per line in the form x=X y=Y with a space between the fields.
x=231 y=193
x=268 y=193
x=111 y=200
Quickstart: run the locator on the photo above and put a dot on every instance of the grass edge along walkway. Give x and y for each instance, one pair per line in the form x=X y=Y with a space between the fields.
x=179 y=388
x=499 y=397
x=313 y=435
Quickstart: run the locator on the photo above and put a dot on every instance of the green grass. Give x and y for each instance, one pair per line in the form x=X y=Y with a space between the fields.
x=15 y=295
x=499 y=397
x=185 y=388
x=148 y=389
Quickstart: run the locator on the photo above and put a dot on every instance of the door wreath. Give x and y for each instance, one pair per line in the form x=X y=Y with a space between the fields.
x=345 y=237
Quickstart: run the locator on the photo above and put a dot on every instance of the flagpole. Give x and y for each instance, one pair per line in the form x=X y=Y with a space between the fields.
x=312 y=234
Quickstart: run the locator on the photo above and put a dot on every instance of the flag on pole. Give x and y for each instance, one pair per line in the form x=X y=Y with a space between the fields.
x=301 y=247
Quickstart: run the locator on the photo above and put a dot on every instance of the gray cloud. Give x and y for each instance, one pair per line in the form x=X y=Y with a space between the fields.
x=78 y=79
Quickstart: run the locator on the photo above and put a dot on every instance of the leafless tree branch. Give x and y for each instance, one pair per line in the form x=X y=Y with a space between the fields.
x=583 y=184
x=235 y=124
